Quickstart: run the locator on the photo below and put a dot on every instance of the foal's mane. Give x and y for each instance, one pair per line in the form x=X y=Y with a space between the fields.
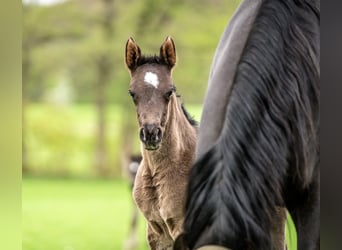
x=190 y=119
x=270 y=126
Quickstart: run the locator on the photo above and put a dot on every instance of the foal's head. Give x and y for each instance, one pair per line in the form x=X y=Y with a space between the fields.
x=151 y=89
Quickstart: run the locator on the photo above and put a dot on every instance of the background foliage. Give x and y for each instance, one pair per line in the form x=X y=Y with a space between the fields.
x=78 y=118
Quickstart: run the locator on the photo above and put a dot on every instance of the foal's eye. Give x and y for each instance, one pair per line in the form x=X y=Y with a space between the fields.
x=131 y=93
x=169 y=94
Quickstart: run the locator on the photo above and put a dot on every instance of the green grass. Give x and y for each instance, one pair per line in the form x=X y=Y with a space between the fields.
x=291 y=234
x=79 y=213
x=76 y=214
x=62 y=214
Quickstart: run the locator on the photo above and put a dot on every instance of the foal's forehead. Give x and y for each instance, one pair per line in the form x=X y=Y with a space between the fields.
x=152 y=75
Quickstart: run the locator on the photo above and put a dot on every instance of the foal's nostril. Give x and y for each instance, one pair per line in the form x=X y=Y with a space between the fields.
x=155 y=136
x=142 y=135
x=150 y=134
x=159 y=135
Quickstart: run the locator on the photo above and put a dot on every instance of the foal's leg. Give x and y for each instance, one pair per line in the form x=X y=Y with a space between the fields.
x=147 y=200
x=278 y=229
x=158 y=238
x=172 y=207
x=306 y=217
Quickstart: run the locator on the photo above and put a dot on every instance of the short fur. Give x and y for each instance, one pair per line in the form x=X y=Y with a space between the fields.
x=267 y=153
x=160 y=184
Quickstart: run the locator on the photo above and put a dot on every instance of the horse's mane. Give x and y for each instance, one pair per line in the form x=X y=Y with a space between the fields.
x=271 y=125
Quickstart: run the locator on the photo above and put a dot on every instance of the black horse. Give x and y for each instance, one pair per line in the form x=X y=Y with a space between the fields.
x=258 y=142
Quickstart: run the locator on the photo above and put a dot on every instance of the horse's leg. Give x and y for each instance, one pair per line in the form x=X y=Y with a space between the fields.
x=172 y=207
x=175 y=226
x=157 y=237
x=132 y=239
x=278 y=228
x=146 y=199
x=306 y=217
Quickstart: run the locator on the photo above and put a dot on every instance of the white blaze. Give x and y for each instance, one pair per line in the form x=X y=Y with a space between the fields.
x=151 y=78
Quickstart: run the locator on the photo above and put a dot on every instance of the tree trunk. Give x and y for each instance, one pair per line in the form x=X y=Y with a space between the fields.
x=101 y=153
x=104 y=71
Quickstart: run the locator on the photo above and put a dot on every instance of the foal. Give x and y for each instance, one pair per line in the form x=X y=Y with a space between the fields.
x=168 y=138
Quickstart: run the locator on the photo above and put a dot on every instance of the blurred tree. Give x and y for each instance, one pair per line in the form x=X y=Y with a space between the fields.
x=38 y=29
x=104 y=68
x=82 y=42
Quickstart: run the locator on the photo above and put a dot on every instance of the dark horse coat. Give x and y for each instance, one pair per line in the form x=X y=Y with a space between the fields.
x=258 y=140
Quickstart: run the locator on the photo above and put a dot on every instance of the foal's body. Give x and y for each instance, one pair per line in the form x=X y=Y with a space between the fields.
x=161 y=180
x=168 y=137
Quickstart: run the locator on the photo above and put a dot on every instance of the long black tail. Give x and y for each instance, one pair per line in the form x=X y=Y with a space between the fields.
x=270 y=130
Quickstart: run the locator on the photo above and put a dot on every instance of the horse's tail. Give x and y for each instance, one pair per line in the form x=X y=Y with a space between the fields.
x=270 y=128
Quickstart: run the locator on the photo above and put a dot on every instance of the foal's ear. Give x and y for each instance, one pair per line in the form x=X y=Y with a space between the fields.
x=132 y=55
x=168 y=52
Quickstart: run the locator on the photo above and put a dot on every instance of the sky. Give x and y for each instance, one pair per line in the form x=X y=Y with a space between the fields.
x=43 y=2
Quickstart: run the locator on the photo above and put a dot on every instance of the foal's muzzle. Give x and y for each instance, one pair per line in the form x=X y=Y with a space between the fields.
x=151 y=136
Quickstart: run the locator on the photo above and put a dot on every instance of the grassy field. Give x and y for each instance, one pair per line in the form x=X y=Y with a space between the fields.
x=76 y=214
x=62 y=214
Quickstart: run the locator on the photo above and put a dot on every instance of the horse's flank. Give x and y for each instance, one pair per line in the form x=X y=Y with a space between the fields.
x=265 y=152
